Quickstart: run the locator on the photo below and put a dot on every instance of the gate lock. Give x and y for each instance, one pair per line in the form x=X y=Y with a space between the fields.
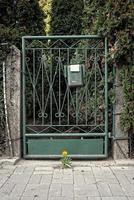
x=74 y=74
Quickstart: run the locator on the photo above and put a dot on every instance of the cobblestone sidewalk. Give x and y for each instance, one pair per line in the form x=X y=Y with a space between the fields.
x=40 y=182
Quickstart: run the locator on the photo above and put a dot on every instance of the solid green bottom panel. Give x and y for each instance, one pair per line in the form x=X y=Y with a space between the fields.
x=73 y=146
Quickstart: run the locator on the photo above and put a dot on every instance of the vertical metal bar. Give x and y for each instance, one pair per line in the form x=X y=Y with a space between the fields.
x=51 y=79
x=95 y=86
x=76 y=106
x=113 y=127
x=42 y=91
x=59 y=60
x=106 y=98
x=34 y=86
x=23 y=97
x=67 y=88
x=86 y=85
x=77 y=92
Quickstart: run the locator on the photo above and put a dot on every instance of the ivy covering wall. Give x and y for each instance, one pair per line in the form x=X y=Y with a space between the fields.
x=63 y=17
x=115 y=19
x=17 y=18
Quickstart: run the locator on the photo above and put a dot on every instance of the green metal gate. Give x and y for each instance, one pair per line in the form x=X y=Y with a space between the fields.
x=64 y=96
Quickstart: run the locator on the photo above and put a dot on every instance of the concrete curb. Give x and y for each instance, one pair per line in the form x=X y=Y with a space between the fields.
x=9 y=161
x=56 y=164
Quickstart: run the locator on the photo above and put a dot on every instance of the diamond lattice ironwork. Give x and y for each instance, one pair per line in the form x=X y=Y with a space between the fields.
x=53 y=106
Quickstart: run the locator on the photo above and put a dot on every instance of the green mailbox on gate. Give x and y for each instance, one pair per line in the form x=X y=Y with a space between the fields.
x=74 y=74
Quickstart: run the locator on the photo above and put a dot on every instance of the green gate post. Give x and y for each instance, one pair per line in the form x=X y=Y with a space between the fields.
x=23 y=111
x=106 y=99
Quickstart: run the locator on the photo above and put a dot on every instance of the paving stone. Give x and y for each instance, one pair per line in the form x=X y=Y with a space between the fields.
x=43 y=168
x=96 y=171
x=67 y=176
x=63 y=180
x=46 y=179
x=55 y=190
x=130 y=178
x=67 y=190
x=35 y=179
x=82 y=169
x=17 y=191
x=37 y=187
x=86 y=190
x=131 y=198
x=19 y=170
x=114 y=198
x=67 y=171
x=104 y=174
x=81 y=198
x=19 y=178
x=10 y=167
x=56 y=180
x=7 y=188
x=89 y=178
x=122 y=179
x=58 y=174
x=130 y=172
x=128 y=190
x=67 y=181
x=28 y=170
x=40 y=198
x=104 y=189
x=6 y=171
x=27 y=198
x=94 y=198
x=60 y=198
x=42 y=172
x=120 y=168
x=106 y=180
x=79 y=179
x=35 y=190
x=4 y=196
x=116 y=190
x=82 y=183
x=9 y=198
x=88 y=173
x=3 y=179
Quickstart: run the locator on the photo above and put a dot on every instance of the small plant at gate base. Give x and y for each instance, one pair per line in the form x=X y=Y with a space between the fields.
x=66 y=160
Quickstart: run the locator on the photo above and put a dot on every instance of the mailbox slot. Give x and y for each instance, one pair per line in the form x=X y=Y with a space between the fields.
x=74 y=74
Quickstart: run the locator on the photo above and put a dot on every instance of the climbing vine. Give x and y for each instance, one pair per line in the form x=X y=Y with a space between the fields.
x=127 y=117
x=17 y=18
x=114 y=19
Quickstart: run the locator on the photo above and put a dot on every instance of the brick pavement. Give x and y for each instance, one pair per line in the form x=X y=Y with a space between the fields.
x=38 y=182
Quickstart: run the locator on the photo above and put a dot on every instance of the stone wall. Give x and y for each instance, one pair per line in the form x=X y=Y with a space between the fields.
x=120 y=139
x=12 y=90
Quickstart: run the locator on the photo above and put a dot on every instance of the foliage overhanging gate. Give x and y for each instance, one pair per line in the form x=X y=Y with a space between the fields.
x=56 y=115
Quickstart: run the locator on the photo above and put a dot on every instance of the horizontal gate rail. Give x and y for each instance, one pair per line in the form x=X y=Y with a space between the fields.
x=62 y=37
x=65 y=134
x=92 y=157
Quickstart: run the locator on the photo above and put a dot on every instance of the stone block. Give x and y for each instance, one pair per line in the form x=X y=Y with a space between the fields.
x=120 y=149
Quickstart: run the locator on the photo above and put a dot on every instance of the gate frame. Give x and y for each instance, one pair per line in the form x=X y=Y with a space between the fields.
x=105 y=155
